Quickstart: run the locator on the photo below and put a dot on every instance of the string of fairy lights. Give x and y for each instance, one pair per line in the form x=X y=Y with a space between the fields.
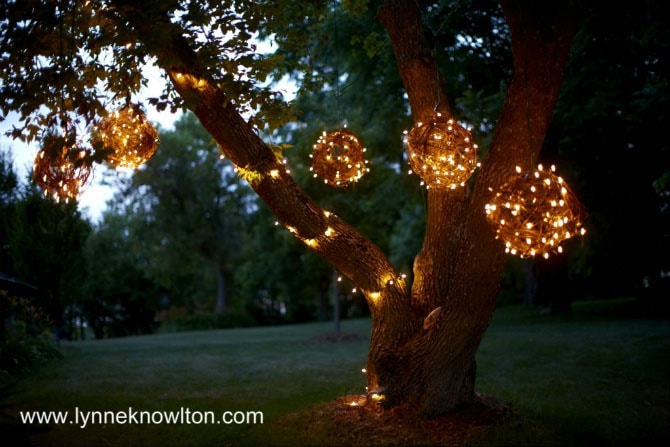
x=132 y=139
x=532 y=213
x=62 y=167
x=338 y=157
x=442 y=152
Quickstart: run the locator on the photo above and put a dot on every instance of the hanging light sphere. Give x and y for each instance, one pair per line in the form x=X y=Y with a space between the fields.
x=442 y=153
x=61 y=170
x=338 y=158
x=534 y=213
x=131 y=138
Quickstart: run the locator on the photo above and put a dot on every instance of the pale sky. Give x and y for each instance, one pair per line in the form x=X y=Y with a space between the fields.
x=92 y=201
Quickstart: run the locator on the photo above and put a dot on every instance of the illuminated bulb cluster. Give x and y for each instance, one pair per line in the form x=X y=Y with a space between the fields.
x=534 y=213
x=274 y=173
x=61 y=173
x=328 y=233
x=442 y=153
x=397 y=279
x=338 y=158
x=131 y=138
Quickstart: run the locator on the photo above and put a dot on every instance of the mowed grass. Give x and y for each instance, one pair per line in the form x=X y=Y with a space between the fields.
x=579 y=380
x=276 y=370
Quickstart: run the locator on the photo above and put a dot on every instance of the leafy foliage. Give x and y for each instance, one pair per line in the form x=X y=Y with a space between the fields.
x=120 y=298
x=66 y=63
x=8 y=198
x=46 y=250
x=609 y=135
x=28 y=341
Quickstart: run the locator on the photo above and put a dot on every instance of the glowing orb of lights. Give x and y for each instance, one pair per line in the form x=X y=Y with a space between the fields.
x=130 y=137
x=534 y=213
x=338 y=158
x=442 y=153
x=61 y=170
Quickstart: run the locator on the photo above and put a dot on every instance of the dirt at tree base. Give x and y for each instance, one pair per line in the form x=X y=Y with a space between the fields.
x=342 y=423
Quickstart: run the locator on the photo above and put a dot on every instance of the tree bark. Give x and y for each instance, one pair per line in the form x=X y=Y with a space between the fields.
x=423 y=340
x=457 y=272
x=336 y=303
x=221 y=288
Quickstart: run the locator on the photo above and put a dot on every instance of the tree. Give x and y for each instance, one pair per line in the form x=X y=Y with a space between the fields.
x=53 y=54
x=46 y=245
x=8 y=197
x=196 y=205
x=119 y=297
x=608 y=120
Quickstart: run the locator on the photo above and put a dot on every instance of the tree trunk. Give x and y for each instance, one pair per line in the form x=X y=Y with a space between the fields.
x=431 y=366
x=336 y=303
x=423 y=339
x=529 y=283
x=221 y=288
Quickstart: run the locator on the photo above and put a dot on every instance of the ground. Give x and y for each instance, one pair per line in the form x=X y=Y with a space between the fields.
x=354 y=421
x=556 y=372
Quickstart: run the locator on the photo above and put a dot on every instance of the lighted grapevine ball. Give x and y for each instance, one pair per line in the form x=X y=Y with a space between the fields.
x=534 y=213
x=61 y=168
x=338 y=158
x=131 y=138
x=441 y=152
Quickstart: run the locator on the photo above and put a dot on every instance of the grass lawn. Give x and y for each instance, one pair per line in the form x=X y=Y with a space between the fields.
x=579 y=380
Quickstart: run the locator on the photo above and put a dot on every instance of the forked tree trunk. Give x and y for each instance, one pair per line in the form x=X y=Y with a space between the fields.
x=430 y=364
x=423 y=339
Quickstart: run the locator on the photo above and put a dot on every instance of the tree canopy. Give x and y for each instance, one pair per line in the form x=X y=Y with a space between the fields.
x=66 y=64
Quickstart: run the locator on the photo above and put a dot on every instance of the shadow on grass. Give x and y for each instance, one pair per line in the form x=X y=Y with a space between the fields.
x=11 y=427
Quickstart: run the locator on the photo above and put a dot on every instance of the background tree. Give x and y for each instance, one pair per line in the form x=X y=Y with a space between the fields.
x=120 y=298
x=46 y=243
x=609 y=127
x=8 y=197
x=194 y=205
x=206 y=53
x=280 y=280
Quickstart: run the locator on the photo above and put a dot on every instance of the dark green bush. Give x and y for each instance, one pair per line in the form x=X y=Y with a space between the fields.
x=25 y=338
x=21 y=351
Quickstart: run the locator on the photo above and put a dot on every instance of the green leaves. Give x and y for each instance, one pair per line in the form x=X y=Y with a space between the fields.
x=72 y=60
x=278 y=149
x=374 y=44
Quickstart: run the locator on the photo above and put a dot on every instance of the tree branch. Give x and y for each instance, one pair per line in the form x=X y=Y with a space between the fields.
x=346 y=249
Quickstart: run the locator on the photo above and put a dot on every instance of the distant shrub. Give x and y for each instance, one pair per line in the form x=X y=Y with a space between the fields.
x=26 y=337
x=19 y=352
x=207 y=321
